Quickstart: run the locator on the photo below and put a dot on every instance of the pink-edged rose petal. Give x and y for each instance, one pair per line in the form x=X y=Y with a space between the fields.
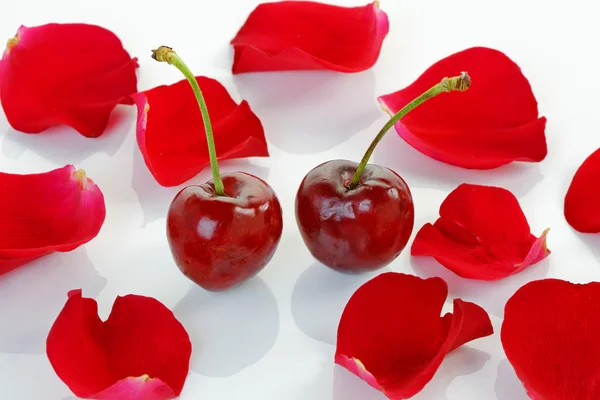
x=55 y=211
x=482 y=233
x=493 y=123
x=306 y=35
x=391 y=333
x=141 y=352
x=171 y=136
x=65 y=74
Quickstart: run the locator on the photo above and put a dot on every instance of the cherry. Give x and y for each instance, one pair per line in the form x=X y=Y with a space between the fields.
x=225 y=231
x=359 y=217
x=354 y=230
x=221 y=241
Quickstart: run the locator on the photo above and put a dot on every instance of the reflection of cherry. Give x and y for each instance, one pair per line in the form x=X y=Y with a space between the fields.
x=359 y=217
x=225 y=231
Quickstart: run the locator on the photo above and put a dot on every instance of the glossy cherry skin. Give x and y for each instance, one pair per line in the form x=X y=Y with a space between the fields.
x=221 y=241
x=357 y=230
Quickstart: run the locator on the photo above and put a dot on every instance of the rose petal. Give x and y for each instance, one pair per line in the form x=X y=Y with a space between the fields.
x=493 y=123
x=304 y=35
x=482 y=233
x=582 y=201
x=141 y=350
x=64 y=74
x=392 y=336
x=550 y=336
x=43 y=213
x=140 y=388
x=171 y=135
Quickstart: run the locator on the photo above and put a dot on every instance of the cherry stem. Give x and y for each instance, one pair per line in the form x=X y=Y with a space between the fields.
x=456 y=83
x=166 y=54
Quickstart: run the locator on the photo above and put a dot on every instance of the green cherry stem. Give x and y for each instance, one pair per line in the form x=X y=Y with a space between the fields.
x=456 y=83
x=166 y=54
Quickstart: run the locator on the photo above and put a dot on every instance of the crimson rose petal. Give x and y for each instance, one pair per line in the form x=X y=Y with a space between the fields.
x=392 y=336
x=492 y=124
x=171 y=136
x=550 y=336
x=304 y=35
x=582 y=201
x=40 y=214
x=141 y=352
x=65 y=74
x=482 y=233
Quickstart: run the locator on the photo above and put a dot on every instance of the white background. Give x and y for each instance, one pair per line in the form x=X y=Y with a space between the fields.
x=274 y=338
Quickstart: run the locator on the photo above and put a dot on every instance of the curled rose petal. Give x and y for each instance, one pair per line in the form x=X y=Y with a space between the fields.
x=141 y=352
x=550 y=336
x=304 y=35
x=582 y=202
x=392 y=336
x=43 y=213
x=171 y=135
x=493 y=123
x=482 y=233
x=65 y=74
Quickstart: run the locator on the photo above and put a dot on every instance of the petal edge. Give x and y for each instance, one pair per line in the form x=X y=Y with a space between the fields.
x=305 y=35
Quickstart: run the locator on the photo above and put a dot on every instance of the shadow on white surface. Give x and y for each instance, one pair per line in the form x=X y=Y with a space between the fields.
x=592 y=241
x=421 y=171
x=140 y=262
x=230 y=330
x=508 y=386
x=492 y=296
x=462 y=361
x=30 y=377
x=347 y=386
x=156 y=199
x=310 y=111
x=319 y=297
x=62 y=143
x=32 y=296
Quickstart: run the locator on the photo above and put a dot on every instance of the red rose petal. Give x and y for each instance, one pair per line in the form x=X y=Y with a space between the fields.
x=392 y=336
x=304 y=35
x=140 y=352
x=140 y=388
x=550 y=336
x=171 y=135
x=64 y=74
x=482 y=233
x=493 y=123
x=582 y=201
x=43 y=213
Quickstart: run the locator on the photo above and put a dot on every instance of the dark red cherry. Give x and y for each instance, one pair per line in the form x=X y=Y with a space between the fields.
x=221 y=241
x=354 y=230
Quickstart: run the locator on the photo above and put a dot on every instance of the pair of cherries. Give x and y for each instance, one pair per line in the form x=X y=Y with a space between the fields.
x=353 y=217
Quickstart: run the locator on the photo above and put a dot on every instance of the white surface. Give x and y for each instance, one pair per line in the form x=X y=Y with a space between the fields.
x=273 y=338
